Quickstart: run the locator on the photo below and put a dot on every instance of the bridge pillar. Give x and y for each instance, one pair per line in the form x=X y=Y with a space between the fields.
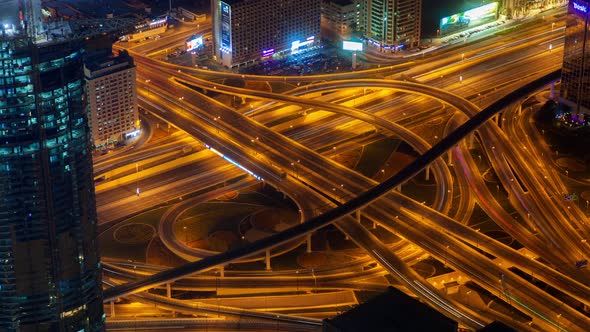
x=450 y=157
x=112 y=309
x=169 y=295
x=399 y=188
x=358 y=215
x=499 y=119
x=267 y=260
x=374 y=225
x=222 y=271
x=308 y=240
x=471 y=141
x=427 y=173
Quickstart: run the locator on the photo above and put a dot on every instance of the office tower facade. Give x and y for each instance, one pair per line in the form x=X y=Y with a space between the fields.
x=49 y=265
x=520 y=8
x=393 y=24
x=342 y=16
x=245 y=31
x=111 y=93
x=575 y=76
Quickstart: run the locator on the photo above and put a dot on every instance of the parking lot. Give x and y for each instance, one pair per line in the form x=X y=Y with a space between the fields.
x=311 y=61
x=314 y=60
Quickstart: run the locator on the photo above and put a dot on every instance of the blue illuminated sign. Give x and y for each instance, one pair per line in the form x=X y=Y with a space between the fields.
x=225 y=26
x=581 y=8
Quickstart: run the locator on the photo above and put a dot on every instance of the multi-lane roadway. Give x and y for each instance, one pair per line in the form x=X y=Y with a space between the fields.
x=268 y=154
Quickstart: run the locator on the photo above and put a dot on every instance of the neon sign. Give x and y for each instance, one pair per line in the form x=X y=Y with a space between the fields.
x=225 y=26
x=194 y=43
x=579 y=7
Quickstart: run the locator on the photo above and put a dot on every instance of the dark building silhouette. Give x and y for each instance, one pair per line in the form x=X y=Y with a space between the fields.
x=49 y=264
x=391 y=311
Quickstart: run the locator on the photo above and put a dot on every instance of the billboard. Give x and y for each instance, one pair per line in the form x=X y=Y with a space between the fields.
x=352 y=46
x=225 y=27
x=470 y=18
x=580 y=8
x=193 y=43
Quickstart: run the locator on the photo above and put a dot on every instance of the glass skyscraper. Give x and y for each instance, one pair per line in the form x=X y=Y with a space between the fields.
x=575 y=77
x=49 y=264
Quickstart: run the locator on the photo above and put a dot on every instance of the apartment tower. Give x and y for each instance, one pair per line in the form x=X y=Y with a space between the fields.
x=393 y=24
x=245 y=31
x=111 y=93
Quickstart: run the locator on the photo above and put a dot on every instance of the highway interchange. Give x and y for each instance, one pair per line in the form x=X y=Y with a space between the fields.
x=286 y=157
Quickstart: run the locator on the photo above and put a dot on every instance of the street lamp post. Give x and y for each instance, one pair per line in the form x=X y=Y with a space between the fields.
x=295 y=170
x=147 y=84
x=137 y=179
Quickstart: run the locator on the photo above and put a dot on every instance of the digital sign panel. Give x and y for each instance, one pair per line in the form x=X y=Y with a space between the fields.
x=268 y=52
x=352 y=46
x=580 y=7
x=470 y=18
x=194 y=43
x=225 y=27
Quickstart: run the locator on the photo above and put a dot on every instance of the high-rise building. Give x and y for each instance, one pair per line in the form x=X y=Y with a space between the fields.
x=342 y=16
x=111 y=93
x=521 y=8
x=393 y=24
x=245 y=31
x=575 y=76
x=49 y=264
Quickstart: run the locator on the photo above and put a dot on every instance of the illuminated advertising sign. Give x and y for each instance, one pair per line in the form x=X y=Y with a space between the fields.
x=352 y=46
x=268 y=52
x=297 y=44
x=225 y=27
x=469 y=18
x=194 y=43
x=580 y=7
